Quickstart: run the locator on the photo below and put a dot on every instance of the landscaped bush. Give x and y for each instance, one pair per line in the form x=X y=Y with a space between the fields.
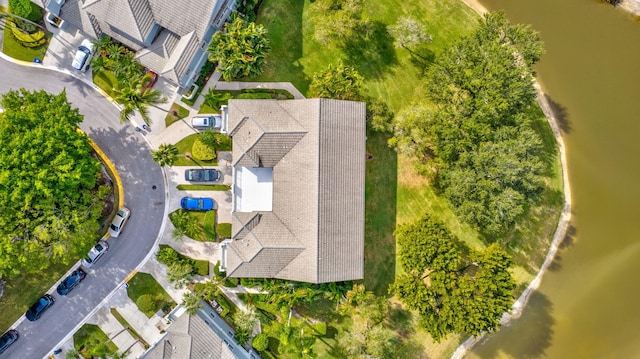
x=215 y=99
x=26 y=39
x=202 y=268
x=224 y=230
x=170 y=257
x=231 y=282
x=227 y=308
x=216 y=271
x=202 y=151
x=167 y=256
x=146 y=303
x=260 y=342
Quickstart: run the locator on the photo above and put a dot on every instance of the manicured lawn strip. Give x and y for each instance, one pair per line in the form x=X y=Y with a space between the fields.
x=130 y=329
x=90 y=341
x=207 y=109
x=144 y=283
x=13 y=48
x=105 y=80
x=184 y=146
x=203 y=187
x=23 y=290
x=223 y=230
x=170 y=119
x=209 y=225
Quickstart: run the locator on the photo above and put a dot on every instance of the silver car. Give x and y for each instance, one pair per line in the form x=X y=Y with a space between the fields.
x=206 y=122
x=119 y=221
x=83 y=56
x=95 y=253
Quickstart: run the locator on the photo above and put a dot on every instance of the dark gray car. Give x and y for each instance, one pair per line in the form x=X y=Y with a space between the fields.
x=202 y=175
x=7 y=339
x=35 y=311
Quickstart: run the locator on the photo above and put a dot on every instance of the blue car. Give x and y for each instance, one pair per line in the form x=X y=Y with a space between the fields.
x=7 y=339
x=36 y=310
x=71 y=282
x=197 y=204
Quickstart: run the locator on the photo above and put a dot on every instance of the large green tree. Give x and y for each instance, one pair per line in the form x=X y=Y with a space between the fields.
x=340 y=21
x=48 y=177
x=453 y=288
x=476 y=132
x=240 y=49
x=339 y=82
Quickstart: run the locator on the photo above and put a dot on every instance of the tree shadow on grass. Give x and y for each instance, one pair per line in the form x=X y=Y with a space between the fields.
x=526 y=337
x=372 y=53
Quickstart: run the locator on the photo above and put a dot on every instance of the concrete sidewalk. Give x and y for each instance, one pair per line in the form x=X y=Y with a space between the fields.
x=119 y=335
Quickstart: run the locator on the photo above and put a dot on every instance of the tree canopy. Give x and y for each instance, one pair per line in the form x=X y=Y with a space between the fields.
x=49 y=210
x=339 y=82
x=240 y=49
x=453 y=288
x=340 y=21
x=476 y=130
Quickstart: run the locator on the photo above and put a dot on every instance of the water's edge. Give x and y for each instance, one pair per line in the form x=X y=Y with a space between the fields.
x=565 y=217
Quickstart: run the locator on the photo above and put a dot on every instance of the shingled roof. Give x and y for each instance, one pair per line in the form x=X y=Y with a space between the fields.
x=314 y=231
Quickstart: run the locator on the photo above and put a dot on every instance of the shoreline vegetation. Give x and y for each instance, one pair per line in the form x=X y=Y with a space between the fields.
x=564 y=222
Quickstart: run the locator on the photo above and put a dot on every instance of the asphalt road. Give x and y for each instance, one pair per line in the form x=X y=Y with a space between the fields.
x=144 y=194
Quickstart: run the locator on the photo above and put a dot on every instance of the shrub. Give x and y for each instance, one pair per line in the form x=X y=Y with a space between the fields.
x=231 y=282
x=216 y=99
x=260 y=342
x=216 y=271
x=146 y=303
x=202 y=268
x=203 y=152
x=224 y=230
x=168 y=256
x=227 y=308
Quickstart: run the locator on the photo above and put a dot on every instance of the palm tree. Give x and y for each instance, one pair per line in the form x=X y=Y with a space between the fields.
x=192 y=301
x=133 y=95
x=101 y=45
x=165 y=155
x=99 y=63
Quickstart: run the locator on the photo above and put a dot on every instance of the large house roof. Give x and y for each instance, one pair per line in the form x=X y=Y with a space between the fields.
x=315 y=229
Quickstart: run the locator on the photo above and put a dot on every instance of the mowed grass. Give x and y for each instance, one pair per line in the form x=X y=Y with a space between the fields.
x=144 y=283
x=23 y=290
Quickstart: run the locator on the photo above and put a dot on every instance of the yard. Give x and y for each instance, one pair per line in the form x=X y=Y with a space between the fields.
x=148 y=294
x=91 y=341
x=395 y=192
x=186 y=144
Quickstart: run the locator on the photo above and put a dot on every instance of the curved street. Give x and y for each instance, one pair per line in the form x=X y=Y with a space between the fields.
x=145 y=195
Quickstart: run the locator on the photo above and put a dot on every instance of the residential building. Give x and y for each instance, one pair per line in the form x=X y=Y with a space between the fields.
x=169 y=37
x=298 y=190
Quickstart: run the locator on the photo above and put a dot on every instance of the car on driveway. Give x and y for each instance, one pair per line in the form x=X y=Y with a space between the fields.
x=7 y=339
x=35 y=311
x=202 y=175
x=119 y=221
x=197 y=203
x=71 y=281
x=207 y=121
x=83 y=56
x=95 y=253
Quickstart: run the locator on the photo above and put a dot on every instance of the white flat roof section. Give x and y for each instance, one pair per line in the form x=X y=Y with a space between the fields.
x=253 y=189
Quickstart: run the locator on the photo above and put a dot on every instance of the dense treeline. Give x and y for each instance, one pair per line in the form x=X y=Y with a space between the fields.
x=50 y=202
x=475 y=131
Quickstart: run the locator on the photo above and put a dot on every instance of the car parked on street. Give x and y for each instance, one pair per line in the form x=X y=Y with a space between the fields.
x=35 y=311
x=206 y=122
x=202 y=175
x=119 y=221
x=67 y=285
x=95 y=253
x=82 y=59
x=197 y=203
x=7 y=339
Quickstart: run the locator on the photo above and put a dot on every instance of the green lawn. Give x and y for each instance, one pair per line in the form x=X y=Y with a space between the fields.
x=23 y=290
x=144 y=283
x=91 y=341
x=205 y=230
x=105 y=80
x=175 y=108
x=13 y=48
x=184 y=146
x=203 y=187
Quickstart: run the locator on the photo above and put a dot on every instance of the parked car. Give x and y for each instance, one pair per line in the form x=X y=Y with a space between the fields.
x=119 y=221
x=7 y=339
x=202 y=175
x=83 y=56
x=35 y=311
x=95 y=253
x=197 y=204
x=71 y=281
x=206 y=122
x=153 y=77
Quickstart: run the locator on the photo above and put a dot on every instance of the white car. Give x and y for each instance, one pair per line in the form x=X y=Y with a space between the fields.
x=119 y=221
x=95 y=253
x=205 y=122
x=83 y=56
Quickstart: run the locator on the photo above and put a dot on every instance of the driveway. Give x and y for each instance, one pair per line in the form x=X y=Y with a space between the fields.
x=144 y=188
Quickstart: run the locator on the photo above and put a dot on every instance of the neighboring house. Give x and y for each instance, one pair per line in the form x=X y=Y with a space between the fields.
x=200 y=336
x=169 y=37
x=298 y=190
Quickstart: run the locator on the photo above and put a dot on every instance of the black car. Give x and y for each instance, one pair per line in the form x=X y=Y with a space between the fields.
x=36 y=310
x=202 y=175
x=7 y=339
x=71 y=282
